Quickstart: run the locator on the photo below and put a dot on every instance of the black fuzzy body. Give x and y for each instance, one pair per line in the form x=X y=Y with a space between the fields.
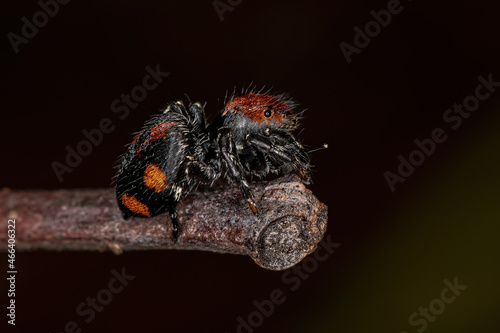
x=176 y=151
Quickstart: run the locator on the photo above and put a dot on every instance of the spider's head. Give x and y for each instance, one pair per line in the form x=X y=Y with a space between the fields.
x=261 y=111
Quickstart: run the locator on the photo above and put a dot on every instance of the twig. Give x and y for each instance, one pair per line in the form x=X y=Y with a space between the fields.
x=290 y=224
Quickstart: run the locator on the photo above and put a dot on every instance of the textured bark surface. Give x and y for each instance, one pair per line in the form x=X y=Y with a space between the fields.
x=289 y=226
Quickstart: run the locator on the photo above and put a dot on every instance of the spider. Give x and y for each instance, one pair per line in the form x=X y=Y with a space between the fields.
x=177 y=151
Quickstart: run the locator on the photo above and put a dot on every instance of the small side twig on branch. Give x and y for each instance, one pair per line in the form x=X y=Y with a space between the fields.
x=290 y=224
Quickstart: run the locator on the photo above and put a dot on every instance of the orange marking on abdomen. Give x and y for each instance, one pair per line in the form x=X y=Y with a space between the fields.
x=155 y=178
x=157 y=132
x=135 y=205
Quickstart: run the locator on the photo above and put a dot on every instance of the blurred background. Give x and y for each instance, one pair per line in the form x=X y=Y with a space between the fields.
x=396 y=247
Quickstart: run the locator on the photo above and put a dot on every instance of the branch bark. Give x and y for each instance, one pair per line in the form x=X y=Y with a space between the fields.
x=290 y=225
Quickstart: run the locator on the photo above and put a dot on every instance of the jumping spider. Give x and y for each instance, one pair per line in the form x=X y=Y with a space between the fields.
x=176 y=151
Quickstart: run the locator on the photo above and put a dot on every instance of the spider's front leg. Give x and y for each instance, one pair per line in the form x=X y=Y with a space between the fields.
x=285 y=150
x=235 y=170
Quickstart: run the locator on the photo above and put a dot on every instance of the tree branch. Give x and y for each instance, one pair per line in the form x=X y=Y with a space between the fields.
x=290 y=224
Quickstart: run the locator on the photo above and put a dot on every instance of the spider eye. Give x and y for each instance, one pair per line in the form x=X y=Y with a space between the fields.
x=269 y=112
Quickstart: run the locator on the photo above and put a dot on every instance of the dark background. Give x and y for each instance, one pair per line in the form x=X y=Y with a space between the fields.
x=396 y=248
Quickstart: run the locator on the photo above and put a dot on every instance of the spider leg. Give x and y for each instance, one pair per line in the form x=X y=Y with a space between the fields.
x=270 y=148
x=197 y=115
x=285 y=148
x=209 y=171
x=177 y=107
x=194 y=113
x=234 y=167
x=175 y=223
